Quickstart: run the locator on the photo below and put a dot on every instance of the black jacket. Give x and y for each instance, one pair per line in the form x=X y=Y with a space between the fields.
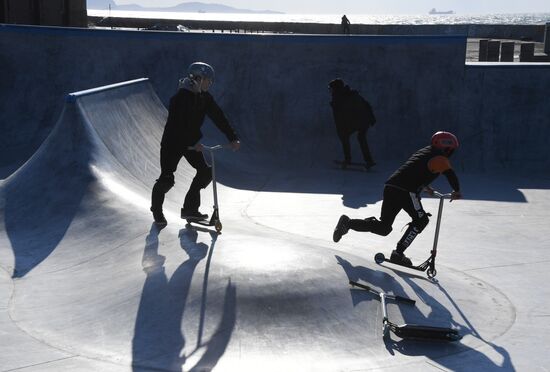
x=186 y=115
x=422 y=168
x=351 y=111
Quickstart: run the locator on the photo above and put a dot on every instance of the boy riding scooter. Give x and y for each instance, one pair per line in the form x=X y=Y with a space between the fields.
x=402 y=191
x=186 y=113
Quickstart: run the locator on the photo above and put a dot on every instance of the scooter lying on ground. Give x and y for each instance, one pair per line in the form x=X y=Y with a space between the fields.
x=409 y=331
x=215 y=219
x=429 y=264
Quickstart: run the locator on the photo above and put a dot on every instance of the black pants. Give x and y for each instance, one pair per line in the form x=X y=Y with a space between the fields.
x=169 y=159
x=395 y=200
x=362 y=139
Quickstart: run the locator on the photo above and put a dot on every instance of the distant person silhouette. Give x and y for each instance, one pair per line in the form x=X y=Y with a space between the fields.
x=352 y=113
x=345 y=25
x=402 y=191
x=186 y=114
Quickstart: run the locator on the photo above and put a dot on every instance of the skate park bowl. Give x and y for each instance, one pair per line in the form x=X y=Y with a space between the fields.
x=90 y=283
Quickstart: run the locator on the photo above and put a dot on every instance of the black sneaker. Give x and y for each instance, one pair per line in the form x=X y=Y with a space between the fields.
x=369 y=165
x=400 y=259
x=193 y=215
x=158 y=216
x=341 y=228
x=345 y=164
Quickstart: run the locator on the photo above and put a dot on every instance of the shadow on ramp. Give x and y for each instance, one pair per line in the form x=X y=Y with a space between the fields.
x=102 y=151
x=159 y=341
x=43 y=197
x=438 y=315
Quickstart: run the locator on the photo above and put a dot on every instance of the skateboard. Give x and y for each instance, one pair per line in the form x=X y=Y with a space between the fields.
x=362 y=167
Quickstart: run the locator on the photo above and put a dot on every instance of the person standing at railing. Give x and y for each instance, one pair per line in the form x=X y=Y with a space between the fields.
x=186 y=113
x=345 y=25
x=402 y=191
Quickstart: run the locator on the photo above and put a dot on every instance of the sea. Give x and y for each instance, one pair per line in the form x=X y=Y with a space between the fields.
x=382 y=19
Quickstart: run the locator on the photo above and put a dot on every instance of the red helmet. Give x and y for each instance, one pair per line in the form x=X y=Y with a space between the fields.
x=444 y=141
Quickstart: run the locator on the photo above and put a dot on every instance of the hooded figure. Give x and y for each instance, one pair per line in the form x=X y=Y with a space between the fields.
x=188 y=108
x=352 y=113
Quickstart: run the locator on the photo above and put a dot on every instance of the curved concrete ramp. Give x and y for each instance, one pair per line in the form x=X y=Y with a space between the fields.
x=89 y=283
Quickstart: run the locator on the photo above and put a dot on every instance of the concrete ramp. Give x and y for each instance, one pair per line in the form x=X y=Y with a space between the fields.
x=89 y=283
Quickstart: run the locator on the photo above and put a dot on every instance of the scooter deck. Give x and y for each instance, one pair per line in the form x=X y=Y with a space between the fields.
x=205 y=222
x=196 y=219
x=410 y=331
x=421 y=332
x=424 y=266
x=340 y=162
x=358 y=167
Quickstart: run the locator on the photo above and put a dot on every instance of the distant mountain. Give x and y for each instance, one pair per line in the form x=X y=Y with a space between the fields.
x=192 y=7
x=100 y=4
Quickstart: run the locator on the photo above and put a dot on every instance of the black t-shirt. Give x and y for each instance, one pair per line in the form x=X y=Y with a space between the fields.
x=351 y=111
x=422 y=168
x=186 y=115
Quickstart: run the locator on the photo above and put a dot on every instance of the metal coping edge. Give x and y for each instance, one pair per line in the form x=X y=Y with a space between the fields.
x=72 y=97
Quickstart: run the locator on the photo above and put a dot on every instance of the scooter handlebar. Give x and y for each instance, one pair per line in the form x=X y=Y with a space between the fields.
x=209 y=148
x=440 y=195
x=391 y=297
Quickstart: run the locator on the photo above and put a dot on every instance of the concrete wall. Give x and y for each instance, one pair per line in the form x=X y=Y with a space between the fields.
x=518 y=32
x=274 y=89
x=506 y=114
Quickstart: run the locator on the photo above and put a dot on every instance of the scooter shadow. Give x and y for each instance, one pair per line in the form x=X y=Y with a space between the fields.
x=406 y=271
x=202 y=229
x=384 y=282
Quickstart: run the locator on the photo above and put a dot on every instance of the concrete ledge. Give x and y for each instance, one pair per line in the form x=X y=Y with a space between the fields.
x=518 y=32
x=508 y=65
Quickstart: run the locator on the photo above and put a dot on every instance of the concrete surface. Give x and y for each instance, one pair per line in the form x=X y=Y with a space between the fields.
x=88 y=283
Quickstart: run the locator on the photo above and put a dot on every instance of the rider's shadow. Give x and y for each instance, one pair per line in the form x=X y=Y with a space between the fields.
x=439 y=316
x=387 y=284
x=376 y=279
x=159 y=340
x=208 y=350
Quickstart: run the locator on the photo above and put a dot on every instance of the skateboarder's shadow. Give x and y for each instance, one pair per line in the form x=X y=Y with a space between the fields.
x=368 y=193
x=357 y=199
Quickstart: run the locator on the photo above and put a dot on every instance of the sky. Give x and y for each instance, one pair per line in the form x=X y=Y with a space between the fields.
x=369 y=6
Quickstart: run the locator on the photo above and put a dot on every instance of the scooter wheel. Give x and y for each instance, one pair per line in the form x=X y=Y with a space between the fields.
x=218 y=226
x=454 y=336
x=431 y=273
x=379 y=258
x=385 y=330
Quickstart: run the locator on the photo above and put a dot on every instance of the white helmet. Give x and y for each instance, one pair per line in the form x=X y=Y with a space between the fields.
x=200 y=69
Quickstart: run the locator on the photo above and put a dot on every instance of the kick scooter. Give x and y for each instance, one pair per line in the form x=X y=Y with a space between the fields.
x=412 y=331
x=429 y=264
x=215 y=219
